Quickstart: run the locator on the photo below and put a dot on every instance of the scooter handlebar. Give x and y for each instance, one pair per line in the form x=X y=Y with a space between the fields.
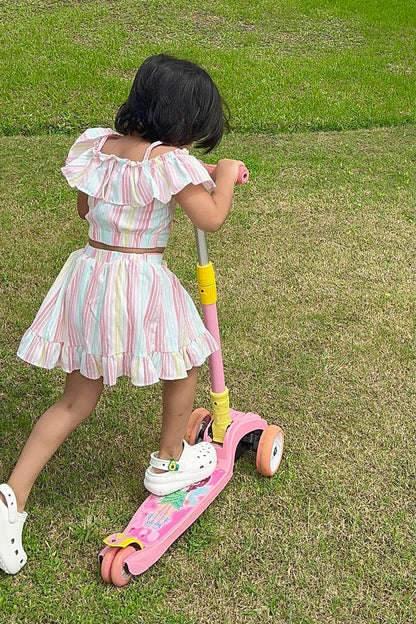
x=242 y=176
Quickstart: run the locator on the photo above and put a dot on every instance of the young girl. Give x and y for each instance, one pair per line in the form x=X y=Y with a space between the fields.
x=116 y=309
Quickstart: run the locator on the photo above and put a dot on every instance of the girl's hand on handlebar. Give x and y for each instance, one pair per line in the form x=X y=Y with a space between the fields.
x=242 y=174
x=228 y=167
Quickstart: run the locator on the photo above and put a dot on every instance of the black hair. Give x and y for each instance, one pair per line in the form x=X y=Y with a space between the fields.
x=176 y=102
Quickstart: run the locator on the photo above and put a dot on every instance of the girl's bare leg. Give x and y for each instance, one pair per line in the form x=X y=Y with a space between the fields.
x=193 y=463
x=79 y=399
x=178 y=399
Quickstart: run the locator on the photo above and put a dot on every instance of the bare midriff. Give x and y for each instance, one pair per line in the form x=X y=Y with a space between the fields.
x=137 y=250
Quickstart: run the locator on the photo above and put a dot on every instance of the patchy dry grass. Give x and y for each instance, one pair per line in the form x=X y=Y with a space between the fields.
x=316 y=290
x=315 y=271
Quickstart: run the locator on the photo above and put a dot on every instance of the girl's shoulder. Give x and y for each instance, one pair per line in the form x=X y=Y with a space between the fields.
x=90 y=138
x=92 y=134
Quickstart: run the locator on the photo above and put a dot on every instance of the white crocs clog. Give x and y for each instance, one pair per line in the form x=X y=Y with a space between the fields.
x=12 y=555
x=196 y=463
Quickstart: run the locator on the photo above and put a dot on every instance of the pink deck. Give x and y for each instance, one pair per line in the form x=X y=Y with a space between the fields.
x=159 y=521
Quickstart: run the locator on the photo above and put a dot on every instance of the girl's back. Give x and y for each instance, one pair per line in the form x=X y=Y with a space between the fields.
x=133 y=148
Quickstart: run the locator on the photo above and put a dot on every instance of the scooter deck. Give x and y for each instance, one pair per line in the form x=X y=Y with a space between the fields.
x=160 y=520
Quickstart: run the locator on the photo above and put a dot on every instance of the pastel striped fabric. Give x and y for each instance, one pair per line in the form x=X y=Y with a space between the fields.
x=117 y=187
x=110 y=314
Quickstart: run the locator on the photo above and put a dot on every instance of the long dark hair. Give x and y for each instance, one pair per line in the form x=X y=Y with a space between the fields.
x=176 y=102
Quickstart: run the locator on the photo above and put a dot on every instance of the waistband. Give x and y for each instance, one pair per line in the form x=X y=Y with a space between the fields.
x=106 y=255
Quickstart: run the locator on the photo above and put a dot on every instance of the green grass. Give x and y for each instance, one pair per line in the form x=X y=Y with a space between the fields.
x=285 y=65
x=315 y=272
x=315 y=281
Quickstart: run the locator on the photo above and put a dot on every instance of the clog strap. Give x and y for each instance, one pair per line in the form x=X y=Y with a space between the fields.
x=8 y=494
x=170 y=465
x=163 y=464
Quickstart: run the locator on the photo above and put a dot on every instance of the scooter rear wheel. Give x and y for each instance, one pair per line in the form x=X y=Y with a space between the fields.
x=120 y=575
x=270 y=450
x=198 y=422
x=106 y=564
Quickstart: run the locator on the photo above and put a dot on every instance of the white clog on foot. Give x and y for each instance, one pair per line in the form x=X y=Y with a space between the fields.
x=196 y=463
x=12 y=554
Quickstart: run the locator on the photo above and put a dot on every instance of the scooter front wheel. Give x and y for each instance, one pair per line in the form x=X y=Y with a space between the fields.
x=198 y=422
x=270 y=450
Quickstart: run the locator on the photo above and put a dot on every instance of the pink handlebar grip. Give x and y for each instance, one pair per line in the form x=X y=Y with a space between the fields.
x=242 y=177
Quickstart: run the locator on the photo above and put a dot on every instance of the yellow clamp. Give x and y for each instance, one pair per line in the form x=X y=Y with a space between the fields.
x=221 y=412
x=121 y=540
x=206 y=283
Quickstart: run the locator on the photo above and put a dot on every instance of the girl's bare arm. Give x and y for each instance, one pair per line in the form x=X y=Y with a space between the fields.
x=209 y=211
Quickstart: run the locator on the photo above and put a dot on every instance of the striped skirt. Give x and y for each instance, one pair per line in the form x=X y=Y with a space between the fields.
x=110 y=314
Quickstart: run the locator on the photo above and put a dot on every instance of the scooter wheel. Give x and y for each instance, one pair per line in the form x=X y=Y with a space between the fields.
x=120 y=575
x=106 y=564
x=198 y=422
x=270 y=450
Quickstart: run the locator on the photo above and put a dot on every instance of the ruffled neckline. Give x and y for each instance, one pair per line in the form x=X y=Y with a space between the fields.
x=128 y=182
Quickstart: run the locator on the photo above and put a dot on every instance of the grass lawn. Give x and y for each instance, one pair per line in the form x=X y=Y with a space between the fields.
x=282 y=65
x=315 y=281
x=315 y=271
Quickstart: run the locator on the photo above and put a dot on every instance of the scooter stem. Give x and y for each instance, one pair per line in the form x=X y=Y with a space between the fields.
x=208 y=297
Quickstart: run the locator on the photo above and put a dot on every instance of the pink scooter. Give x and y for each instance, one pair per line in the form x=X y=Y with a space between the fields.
x=160 y=520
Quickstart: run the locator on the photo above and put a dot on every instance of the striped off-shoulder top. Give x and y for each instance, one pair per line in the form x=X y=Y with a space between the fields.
x=131 y=203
